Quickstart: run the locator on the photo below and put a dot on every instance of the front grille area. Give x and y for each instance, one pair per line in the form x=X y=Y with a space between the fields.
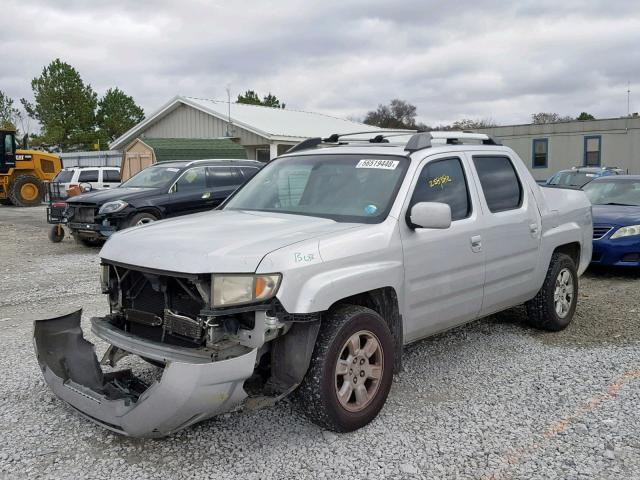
x=83 y=214
x=600 y=231
x=158 y=307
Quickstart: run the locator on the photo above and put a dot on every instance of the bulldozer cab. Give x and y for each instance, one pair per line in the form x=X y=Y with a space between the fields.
x=7 y=150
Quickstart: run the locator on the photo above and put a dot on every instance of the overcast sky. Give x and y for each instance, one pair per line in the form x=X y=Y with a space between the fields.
x=501 y=60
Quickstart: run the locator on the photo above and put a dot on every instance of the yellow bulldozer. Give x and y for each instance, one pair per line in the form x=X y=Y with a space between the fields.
x=23 y=171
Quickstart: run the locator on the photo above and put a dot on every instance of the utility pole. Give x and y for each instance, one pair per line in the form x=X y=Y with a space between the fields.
x=229 y=110
x=628 y=98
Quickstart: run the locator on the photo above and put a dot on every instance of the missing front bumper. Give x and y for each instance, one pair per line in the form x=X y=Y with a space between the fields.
x=186 y=394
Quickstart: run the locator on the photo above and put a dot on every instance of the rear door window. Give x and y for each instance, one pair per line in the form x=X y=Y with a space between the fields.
x=500 y=183
x=223 y=177
x=88 y=176
x=111 y=176
x=444 y=181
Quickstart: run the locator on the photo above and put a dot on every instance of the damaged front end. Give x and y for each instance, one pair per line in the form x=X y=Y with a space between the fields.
x=191 y=388
x=210 y=355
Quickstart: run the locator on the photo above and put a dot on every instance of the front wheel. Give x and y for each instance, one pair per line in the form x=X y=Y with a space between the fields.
x=56 y=233
x=141 y=219
x=351 y=370
x=555 y=304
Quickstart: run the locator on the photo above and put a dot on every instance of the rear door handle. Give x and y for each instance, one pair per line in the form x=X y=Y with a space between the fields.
x=533 y=229
x=476 y=243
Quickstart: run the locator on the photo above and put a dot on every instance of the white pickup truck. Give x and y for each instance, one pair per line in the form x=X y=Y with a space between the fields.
x=313 y=275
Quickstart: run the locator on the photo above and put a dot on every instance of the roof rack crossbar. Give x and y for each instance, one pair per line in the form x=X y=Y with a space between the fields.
x=423 y=140
x=312 y=142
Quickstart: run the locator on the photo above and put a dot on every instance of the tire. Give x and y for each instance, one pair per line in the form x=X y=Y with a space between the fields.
x=141 y=219
x=548 y=311
x=26 y=191
x=318 y=395
x=56 y=234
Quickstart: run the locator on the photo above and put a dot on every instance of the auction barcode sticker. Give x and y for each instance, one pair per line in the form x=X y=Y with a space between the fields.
x=377 y=163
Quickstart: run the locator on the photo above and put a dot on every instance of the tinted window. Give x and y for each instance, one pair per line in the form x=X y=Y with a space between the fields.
x=8 y=144
x=192 y=179
x=444 y=181
x=248 y=172
x=64 y=176
x=88 y=176
x=111 y=176
x=223 y=177
x=499 y=181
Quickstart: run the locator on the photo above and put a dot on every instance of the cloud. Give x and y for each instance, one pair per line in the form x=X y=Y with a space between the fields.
x=481 y=59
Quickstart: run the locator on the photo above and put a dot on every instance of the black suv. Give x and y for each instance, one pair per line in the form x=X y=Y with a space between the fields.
x=163 y=190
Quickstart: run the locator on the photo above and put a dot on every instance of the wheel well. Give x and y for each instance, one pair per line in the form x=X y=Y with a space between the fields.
x=383 y=301
x=152 y=210
x=570 y=249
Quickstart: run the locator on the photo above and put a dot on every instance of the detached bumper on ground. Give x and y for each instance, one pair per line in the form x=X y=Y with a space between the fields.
x=186 y=394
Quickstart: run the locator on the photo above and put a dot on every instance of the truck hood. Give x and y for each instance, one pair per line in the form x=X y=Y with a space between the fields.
x=100 y=197
x=219 y=241
x=620 y=215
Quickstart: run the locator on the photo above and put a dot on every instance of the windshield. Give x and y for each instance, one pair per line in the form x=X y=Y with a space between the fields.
x=348 y=188
x=571 y=179
x=626 y=192
x=152 y=177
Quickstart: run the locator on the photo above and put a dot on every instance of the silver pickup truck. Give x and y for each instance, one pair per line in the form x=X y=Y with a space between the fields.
x=312 y=277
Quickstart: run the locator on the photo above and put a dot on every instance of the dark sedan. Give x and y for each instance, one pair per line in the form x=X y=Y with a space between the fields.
x=616 y=220
x=164 y=190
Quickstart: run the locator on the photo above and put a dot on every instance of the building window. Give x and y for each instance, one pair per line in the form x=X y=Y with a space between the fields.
x=540 y=157
x=263 y=154
x=592 y=151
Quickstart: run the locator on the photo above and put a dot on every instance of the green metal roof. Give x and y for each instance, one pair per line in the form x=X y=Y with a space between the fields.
x=167 y=149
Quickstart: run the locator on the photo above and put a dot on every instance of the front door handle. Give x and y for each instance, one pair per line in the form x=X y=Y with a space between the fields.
x=476 y=243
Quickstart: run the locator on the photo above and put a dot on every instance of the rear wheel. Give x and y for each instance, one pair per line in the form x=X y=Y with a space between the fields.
x=351 y=370
x=26 y=191
x=141 y=219
x=553 y=307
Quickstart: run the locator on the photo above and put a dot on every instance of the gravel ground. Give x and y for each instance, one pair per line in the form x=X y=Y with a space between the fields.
x=492 y=399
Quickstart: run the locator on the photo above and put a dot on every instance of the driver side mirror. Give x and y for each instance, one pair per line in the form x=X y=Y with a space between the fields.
x=430 y=215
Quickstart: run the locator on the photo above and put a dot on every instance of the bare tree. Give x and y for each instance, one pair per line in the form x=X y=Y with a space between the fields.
x=548 y=117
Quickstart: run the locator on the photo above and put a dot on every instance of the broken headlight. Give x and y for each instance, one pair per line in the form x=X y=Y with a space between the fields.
x=228 y=290
x=104 y=278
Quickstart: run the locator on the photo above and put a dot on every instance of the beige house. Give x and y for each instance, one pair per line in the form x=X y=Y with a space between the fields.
x=264 y=132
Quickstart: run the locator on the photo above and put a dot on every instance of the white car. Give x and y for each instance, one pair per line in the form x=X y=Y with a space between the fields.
x=312 y=277
x=98 y=178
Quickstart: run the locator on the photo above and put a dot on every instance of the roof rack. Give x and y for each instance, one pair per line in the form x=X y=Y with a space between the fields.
x=418 y=141
x=425 y=139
